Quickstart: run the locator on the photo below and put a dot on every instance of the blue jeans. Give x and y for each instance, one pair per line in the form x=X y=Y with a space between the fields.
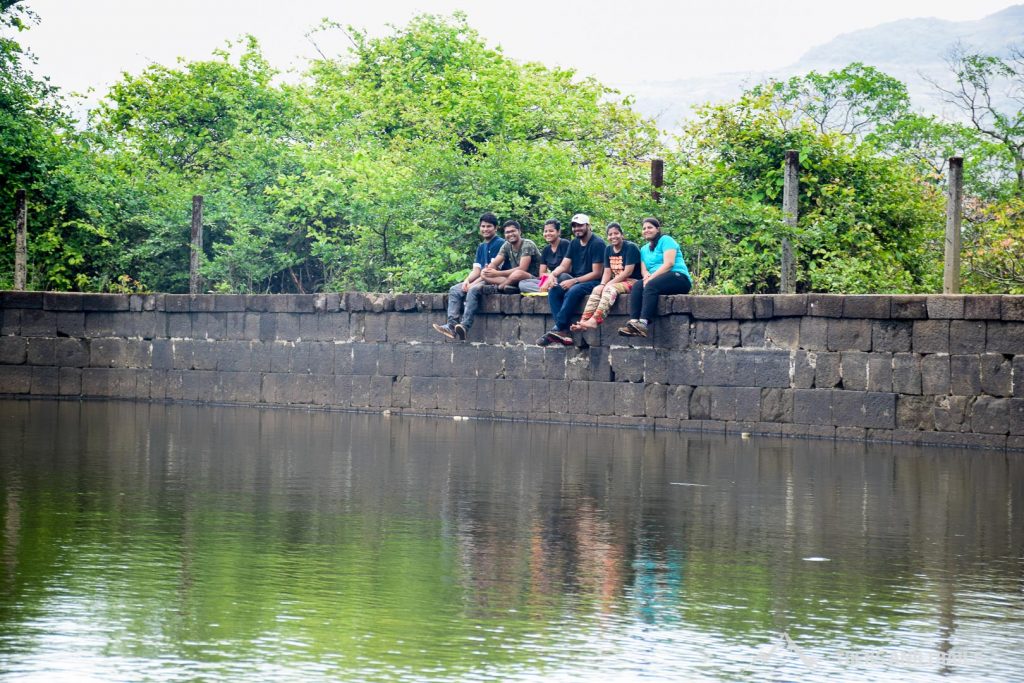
x=564 y=303
x=457 y=299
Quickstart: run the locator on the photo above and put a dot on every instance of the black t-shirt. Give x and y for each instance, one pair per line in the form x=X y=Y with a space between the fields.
x=630 y=255
x=553 y=258
x=584 y=257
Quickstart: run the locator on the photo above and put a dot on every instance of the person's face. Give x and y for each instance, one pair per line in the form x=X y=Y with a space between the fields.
x=550 y=234
x=649 y=231
x=487 y=230
x=614 y=237
x=581 y=230
x=512 y=234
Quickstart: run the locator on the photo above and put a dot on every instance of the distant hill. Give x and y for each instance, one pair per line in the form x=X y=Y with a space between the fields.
x=909 y=50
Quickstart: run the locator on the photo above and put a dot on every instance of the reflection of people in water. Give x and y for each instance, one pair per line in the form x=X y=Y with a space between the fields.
x=658 y=586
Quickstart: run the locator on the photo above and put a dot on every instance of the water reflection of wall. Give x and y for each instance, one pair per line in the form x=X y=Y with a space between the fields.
x=474 y=519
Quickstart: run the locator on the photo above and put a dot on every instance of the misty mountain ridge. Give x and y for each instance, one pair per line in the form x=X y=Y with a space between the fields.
x=908 y=49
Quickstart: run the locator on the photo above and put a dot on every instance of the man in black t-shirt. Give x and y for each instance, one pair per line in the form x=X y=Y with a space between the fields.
x=577 y=275
x=550 y=258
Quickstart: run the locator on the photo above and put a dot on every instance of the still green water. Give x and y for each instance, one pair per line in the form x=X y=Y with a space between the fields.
x=152 y=542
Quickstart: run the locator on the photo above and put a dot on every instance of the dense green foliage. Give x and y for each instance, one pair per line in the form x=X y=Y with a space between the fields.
x=370 y=170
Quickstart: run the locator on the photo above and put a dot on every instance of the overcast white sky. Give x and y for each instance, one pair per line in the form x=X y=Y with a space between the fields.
x=88 y=44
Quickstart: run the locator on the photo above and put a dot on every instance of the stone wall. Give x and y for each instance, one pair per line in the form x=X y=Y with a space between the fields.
x=917 y=369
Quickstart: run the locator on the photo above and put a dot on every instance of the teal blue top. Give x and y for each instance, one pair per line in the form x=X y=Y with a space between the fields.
x=654 y=258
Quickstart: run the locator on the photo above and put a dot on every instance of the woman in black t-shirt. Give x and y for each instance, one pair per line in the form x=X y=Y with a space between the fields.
x=621 y=263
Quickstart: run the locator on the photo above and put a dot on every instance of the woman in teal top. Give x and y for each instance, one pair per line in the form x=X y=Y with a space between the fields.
x=664 y=272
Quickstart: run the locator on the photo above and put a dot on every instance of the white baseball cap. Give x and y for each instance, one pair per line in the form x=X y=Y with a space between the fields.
x=580 y=219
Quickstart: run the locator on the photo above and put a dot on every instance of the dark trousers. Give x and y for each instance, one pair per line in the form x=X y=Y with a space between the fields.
x=643 y=301
x=564 y=303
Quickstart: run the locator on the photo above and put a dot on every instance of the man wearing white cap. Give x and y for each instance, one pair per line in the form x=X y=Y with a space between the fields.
x=577 y=275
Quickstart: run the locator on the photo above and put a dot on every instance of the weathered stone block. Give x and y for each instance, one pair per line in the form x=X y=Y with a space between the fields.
x=309 y=327
x=935 y=378
x=657 y=364
x=825 y=305
x=62 y=301
x=234 y=356
x=677 y=402
x=628 y=363
x=655 y=400
x=948 y=306
x=209 y=325
x=1016 y=410
x=950 y=413
x=880 y=372
x=45 y=381
x=587 y=364
x=336 y=326
x=996 y=375
x=12 y=350
x=752 y=334
x=813 y=334
x=827 y=372
x=914 y=412
x=162 y=354
x=15 y=379
x=782 y=333
x=931 y=336
x=205 y=355
x=105 y=302
x=853 y=367
x=867 y=306
x=1004 y=337
x=906 y=373
x=286 y=326
x=990 y=415
x=1018 y=376
x=107 y=352
x=705 y=332
x=70 y=324
x=629 y=400
x=700 y=403
x=728 y=334
x=965 y=375
x=909 y=306
x=38 y=323
x=179 y=325
x=982 y=307
x=869 y=409
x=776 y=405
x=849 y=335
x=764 y=306
x=423 y=393
x=813 y=406
x=11 y=325
x=72 y=353
x=69 y=382
x=743 y=307
x=1012 y=308
x=967 y=336
x=894 y=336
x=711 y=307
x=803 y=364
x=789 y=305
x=736 y=403
x=364 y=360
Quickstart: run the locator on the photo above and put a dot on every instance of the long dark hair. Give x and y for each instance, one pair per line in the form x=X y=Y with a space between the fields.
x=656 y=223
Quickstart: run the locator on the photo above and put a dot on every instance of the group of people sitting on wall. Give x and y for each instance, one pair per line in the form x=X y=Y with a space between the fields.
x=567 y=272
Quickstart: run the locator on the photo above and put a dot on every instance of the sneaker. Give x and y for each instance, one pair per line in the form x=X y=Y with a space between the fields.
x=488 y=289
x=560 y=337
x=446 y=329
x=640 y=327
x=627 y=330
x=460 y=332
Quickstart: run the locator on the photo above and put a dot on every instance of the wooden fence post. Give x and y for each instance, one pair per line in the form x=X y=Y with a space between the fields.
x=657 y=178
x=790 y=197
x=954 y=212
x=197 y=244
x=20 y=240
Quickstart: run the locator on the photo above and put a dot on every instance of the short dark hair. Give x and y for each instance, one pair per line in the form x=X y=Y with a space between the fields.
x=512 y=224
x=554 y=222
x=489 y=218
x=613 y=226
